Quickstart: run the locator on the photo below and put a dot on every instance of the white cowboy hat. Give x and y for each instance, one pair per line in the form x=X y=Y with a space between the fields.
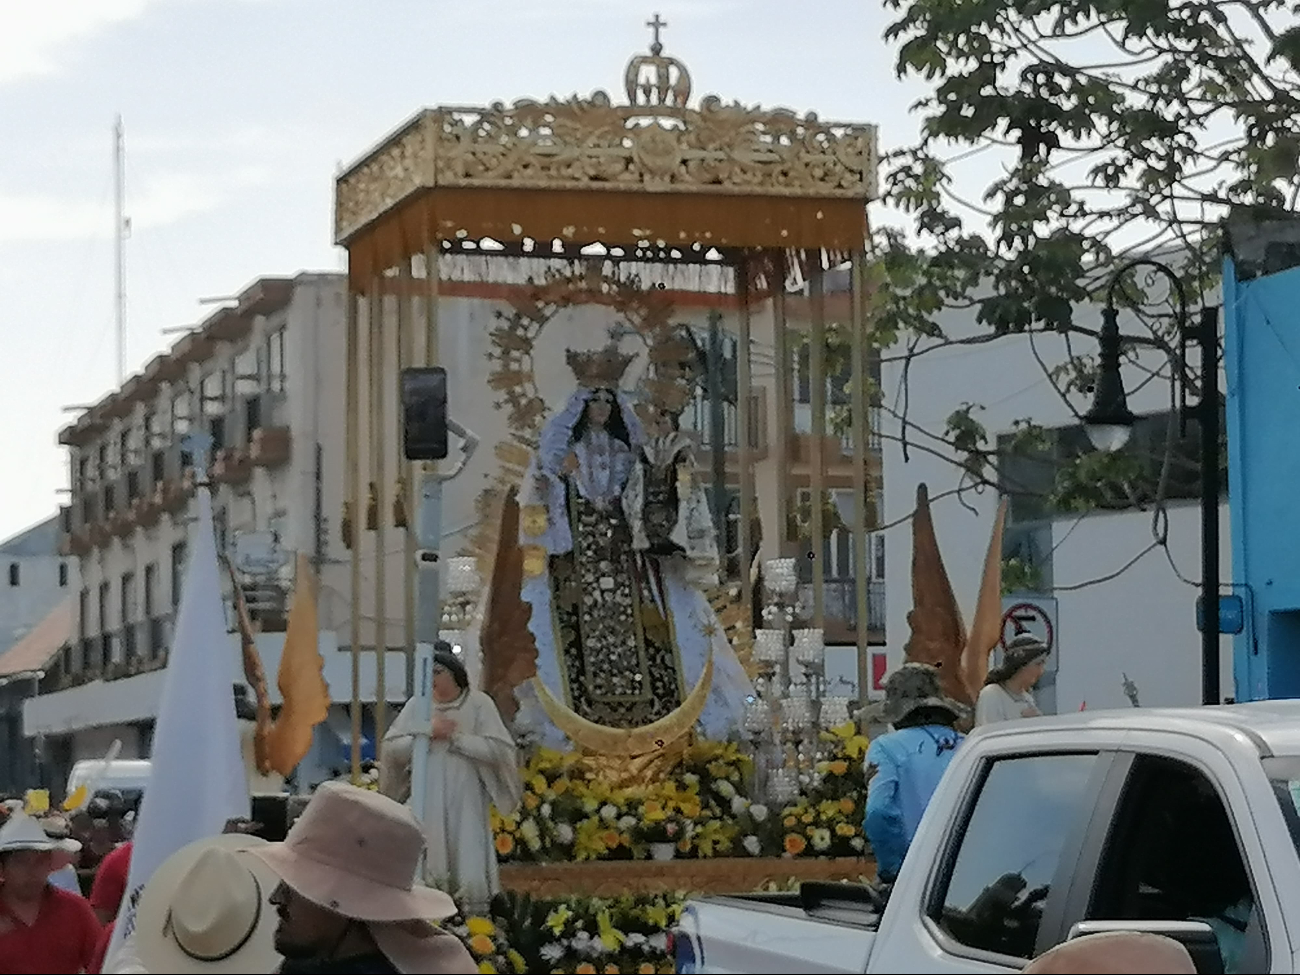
x=355 y=852
x=207 y=909
x=24 y=832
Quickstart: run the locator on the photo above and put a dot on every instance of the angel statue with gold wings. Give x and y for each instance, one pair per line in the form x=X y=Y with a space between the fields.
x=623 y=630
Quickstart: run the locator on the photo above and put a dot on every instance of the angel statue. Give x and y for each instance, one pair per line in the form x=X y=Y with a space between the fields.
x=616 y=542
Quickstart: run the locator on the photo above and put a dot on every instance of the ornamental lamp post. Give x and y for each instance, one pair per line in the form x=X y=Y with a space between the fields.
x=1109 y=424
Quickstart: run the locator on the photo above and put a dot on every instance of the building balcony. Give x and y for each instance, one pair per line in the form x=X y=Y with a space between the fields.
x=121 y=523
x=146 y=510
x=270 y=446
x=175 y=492
x=232 y=466
x=840 y=605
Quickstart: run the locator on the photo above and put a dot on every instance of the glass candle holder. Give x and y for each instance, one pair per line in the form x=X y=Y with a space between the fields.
x=780 y=577
x=769 y=646
x=462 y=575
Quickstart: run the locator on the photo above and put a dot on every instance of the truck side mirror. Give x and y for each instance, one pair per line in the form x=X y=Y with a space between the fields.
x=424 y=413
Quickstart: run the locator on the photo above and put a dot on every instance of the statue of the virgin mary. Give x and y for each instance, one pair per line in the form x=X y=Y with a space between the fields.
x=622 y=629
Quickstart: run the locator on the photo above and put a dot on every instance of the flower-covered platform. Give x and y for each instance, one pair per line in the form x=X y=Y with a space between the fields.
x=702 y=810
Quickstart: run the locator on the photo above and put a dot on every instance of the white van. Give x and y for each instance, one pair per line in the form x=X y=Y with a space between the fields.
x=128 y=776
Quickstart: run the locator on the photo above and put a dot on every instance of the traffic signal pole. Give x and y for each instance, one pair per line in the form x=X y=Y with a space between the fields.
x=425 y=428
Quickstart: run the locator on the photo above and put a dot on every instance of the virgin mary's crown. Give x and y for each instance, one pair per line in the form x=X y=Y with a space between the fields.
x=600 y=368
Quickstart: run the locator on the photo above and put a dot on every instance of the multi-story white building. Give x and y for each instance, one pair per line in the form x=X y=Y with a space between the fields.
x=35 y=583
x=1122 y=610
x=261 y=377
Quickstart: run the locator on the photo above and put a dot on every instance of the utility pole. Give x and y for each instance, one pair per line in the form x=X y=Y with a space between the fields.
x=120 y=231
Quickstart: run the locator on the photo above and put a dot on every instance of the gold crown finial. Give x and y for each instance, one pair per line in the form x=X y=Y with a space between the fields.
x=600 y=368
x=656 y=81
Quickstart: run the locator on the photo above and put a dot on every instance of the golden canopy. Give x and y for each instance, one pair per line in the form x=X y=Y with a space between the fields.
x=651 y=173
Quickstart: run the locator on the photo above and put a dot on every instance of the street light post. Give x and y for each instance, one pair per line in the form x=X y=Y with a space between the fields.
x=1109 y=423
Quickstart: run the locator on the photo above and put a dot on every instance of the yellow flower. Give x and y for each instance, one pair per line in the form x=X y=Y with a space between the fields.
x=517 y=961
x=789 y=822
x=480 y=925
x=481 y=945
x=611 y=969
x=558 y=918
x=531 y=801
x=837 y=767
x=847 y=805
x=646 y=969
x=560 y=786
x=505 y=844
x=538 y=784
x=845 y=730
x=845 y=829
x=794 y=844
x=856 y=746
x=586 y=968
x=486 y=967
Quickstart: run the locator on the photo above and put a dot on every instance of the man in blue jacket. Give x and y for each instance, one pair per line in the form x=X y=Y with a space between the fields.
x=904 y=766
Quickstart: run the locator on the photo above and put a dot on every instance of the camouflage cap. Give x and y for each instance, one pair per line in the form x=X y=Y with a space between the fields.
x=913 y=686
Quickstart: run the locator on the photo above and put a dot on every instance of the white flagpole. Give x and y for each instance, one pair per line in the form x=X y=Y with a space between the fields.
x=197 y=781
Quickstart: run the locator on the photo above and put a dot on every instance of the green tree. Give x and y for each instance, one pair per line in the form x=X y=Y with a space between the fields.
x=1118 y=128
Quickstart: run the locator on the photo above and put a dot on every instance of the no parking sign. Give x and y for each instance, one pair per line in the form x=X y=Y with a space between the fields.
x=1034 y=614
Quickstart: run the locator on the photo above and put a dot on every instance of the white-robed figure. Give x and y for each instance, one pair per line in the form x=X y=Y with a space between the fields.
x=473 y=764
x=622 y=628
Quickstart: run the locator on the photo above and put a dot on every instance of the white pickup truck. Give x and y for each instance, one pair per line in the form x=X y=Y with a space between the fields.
x=1185 y=822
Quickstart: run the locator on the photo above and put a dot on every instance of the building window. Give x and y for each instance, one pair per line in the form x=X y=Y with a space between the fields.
x=1049 y=472
x=63 y=574
x=13 y=573
x=212 y=394
x=150 y=585
x=220 y=521
x=103 y=607
x=178 y=572
x=181 y=413
x=275 y=378
x=1033 y=803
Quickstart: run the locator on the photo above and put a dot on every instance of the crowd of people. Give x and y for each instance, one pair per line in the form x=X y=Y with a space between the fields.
x=335 y=896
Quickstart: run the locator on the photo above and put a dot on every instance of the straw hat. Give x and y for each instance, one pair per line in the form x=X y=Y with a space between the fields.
x=207 y=909
x=24 y=832
x=355 y=852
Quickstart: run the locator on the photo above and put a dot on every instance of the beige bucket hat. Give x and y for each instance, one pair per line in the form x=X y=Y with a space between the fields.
x=355 y=852
x=207 y=909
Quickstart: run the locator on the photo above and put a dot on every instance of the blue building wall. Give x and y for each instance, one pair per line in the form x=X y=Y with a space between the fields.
x=1262 y=366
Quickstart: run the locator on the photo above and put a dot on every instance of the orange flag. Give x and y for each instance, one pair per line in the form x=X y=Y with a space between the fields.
x=301 y=681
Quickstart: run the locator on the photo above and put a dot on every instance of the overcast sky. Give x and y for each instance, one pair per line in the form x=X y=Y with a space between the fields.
x=237 y=115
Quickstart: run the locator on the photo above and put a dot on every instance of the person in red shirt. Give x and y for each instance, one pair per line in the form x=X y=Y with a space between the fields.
x=42 y=929
x=110 y=883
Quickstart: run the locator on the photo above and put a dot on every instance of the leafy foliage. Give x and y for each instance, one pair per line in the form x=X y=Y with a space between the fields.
x=1116 y=128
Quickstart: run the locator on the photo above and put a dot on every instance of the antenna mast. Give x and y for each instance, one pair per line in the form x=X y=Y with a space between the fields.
x=120 y=231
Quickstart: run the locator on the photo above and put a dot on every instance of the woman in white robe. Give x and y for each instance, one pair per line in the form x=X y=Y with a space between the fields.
x=473 y=765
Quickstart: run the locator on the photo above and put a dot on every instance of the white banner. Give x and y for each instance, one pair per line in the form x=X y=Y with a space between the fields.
x=197 y=781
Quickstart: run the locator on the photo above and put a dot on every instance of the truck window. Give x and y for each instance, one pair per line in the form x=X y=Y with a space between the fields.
x=1010 y=848
x=1171 y=854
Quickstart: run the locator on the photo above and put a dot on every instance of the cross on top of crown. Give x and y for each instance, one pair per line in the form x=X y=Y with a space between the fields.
x=656 y=46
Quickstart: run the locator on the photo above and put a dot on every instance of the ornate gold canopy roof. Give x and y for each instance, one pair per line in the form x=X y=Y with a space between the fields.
x=584 y=170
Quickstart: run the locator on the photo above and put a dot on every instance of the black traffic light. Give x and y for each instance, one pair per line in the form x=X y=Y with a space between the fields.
x=424 y=413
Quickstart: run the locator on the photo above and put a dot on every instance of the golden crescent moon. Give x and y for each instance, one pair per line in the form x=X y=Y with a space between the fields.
x=603 y=740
